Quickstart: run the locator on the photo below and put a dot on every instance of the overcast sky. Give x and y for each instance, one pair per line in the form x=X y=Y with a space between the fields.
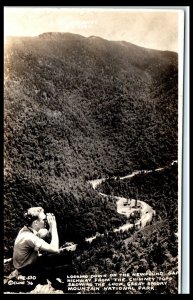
x=155 y=29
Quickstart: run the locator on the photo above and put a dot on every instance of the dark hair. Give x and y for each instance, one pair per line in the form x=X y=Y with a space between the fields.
x=28 y=218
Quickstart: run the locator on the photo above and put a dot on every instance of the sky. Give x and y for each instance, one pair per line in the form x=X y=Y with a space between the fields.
x=150 y=28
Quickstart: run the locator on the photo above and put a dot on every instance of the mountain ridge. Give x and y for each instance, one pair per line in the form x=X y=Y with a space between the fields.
x=80 y=110
x=56 y=34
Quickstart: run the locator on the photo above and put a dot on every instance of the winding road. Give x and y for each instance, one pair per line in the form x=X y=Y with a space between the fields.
x=147 y=212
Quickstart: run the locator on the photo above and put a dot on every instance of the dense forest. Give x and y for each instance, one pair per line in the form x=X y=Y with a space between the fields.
x=159 y=189
x=77 y=109
x=153 y=248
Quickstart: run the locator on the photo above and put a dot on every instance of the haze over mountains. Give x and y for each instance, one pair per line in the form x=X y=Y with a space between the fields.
x=81 y=108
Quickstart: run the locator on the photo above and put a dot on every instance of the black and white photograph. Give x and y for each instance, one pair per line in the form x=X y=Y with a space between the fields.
x=93 y=128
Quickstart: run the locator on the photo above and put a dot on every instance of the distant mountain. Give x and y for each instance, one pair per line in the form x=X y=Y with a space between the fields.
x=80 y=108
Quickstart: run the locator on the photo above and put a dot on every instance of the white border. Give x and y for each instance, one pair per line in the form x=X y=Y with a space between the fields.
x=183 y=126
x=180 y=139
x=185 y=181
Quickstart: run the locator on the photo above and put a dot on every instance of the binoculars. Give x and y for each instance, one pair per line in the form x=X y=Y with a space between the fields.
x=46 y=223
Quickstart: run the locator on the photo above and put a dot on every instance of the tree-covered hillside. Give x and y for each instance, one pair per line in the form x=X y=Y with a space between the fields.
x=153 y=248
x=159 y=189
x=79 y=108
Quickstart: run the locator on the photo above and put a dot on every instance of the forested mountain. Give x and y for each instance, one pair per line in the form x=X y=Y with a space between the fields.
x=79 y=108
x=159 y=189
x=153 y=248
